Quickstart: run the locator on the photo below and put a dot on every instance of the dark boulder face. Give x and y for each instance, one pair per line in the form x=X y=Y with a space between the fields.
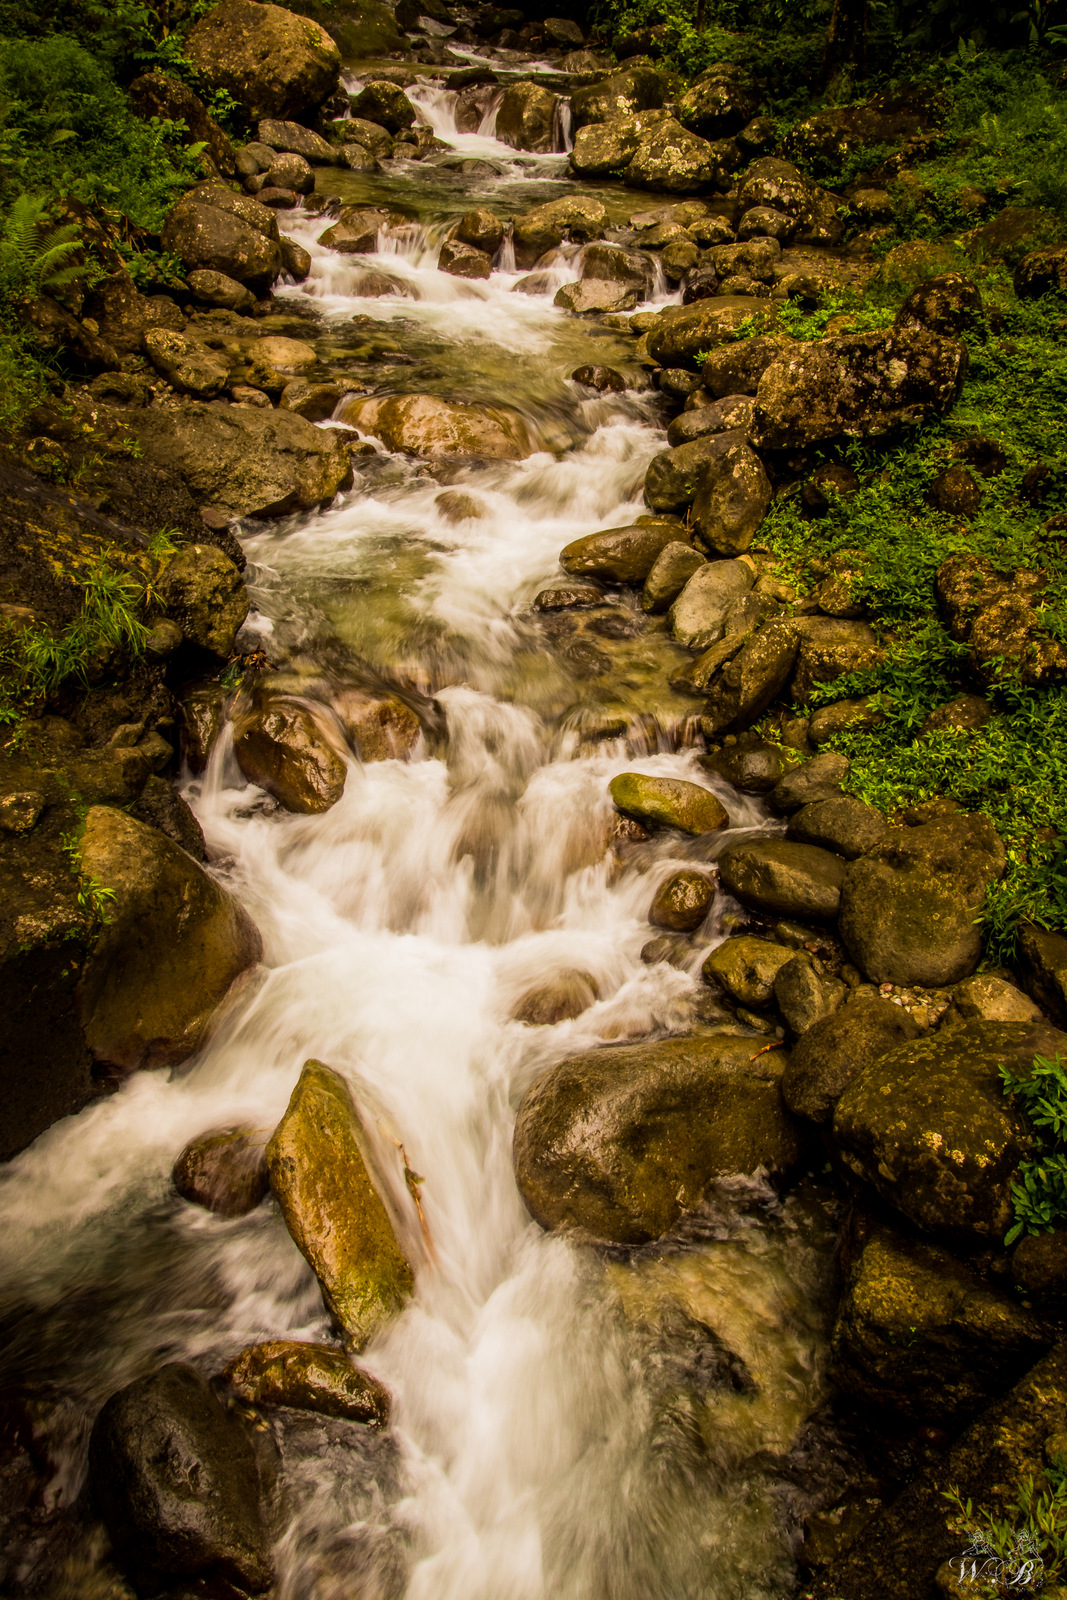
x=178 y=1486
x=836 y=1049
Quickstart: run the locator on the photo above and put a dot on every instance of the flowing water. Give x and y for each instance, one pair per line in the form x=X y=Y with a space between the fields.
x=562 y=1427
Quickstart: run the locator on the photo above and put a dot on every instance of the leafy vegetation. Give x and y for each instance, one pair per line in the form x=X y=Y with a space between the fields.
x=1040 y=1195
x=1020 y=1552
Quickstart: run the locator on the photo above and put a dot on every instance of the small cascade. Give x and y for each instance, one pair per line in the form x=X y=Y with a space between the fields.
x=562 y=124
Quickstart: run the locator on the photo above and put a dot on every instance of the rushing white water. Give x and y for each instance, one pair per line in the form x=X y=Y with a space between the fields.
x=556 y=1432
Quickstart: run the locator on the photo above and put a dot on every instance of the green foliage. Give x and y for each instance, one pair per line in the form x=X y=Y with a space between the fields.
x=864 y=316
x=1040 y=1195
x=1018 y=1553
x=35 y=257
x=94 y=898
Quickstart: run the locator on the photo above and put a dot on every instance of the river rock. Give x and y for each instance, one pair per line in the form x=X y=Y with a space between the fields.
x=203 y=712
x=173 y=943
x=558 y=999
x=284 y=747
x=808 y=782
x=762 y=222
x=207 y=237
x=290 y=138
x=987 y=998
x=841 y=823
x=320 y=1172
x=671 y=571
x=682 y=333
x=672 y=160
x=920 y=1334
x=835 y=1050
x=224 y=1171
x=205 y=594
x=673 y=477
x=754 y=766
x=482 y=230
x=603 y=149
x=752 y=678
x=698 y=616
x=804 y=996
x=929 y=1127
x=188 y=364
x=308 y=1377
x=356 y=230
x=668 y=802
x=620 y=94
x=273 y=63
x=1042 y=963
x=592 y=296
x=385 y=104
x=380 y=727
x=682 y=901
x=463 y=260
x=860 y=384
x=179 y=1488
x=746 y=968
x=161 y=806
x=733 y=496
x=526 y=117
x=910 y=905
x=245 y=461
x=423 y=425
x=618 y=1143
x=718 y=104
x=736 y=369
x=830 y=648
x=776 y=875
x=578 y=217
x=216 y=289
x=619 y=555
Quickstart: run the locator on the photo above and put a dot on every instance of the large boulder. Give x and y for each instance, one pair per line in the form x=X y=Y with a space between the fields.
x=205 y=594
x=682 y=901
x=603 y=149
x=698 y=616
x=224 y=1171
x=579 y=218
x=742 y=689
x=671 y=160
x=247 y=461
x=860 y=384
x=619 y=555
x=594 y=296
x=526 y=117
x=998 y=616
x=618 y=1143
x=620 y=94
x=156 y=94
x=718 y=104
x=308 y=1377
x=179 y=1487
x=385 y=104
x=683 y=335
x=291 y=138
x=423 y=425
x=736 y=369
x=668 y=802
x=321 y=1174
x=173 y=943
x=918 y=1333
x=733 y=497
x=673 y=477
x=929 y=1127
x=208 y=235
x=285 y=746
x=837 y=1048
x=790 y=880
x=273 y=63
x=910 y=906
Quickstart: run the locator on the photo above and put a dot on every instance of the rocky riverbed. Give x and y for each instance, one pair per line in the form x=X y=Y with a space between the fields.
x=489 y=1110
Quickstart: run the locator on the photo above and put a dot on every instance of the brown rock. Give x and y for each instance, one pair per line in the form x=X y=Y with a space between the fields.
x=224 y=1171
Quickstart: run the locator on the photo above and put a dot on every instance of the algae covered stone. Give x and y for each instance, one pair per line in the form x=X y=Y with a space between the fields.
x=682 y=901
x=320 y=1175
x=747 y=968
x=668 y=802
x=308 y=1377
x=619 y=1142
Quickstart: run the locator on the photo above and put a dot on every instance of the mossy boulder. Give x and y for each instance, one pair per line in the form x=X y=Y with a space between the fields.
x=320 y=1171
x=920 y=1334
x=423 y=425
x=224 y=1171
x=173 y=943
x=577 y=217
x=620 y=94
x=787 y=879
x=618 y=1143
x=620 y=555
x=284 y=746
x=208 y=237
x=203 y=590
x=384 y=104
x=308 y=1377
x=668 y=802
x=929 y=1127
x=698 y=616
x=526 y=117
x=836 y=1049
x=671 y=160
x=682 y=901
x=272 y=63
x=682 y=333
x=746 y=967
x=602 y=149
x=733 y=497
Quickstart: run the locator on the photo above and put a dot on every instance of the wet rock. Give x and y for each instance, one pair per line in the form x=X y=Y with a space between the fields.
x=224 y=1171
x=920 y=1334
x=308 y=1377
x=671 y=160
x=752 y=678
x=929 y=1127
x=719 y=104
x=619 y=555
x=828 y=721
x=186 y=363
x=620 y=94
x=560 y=999
x=283 y=747
x=1041 y=272
x=296 y=261
x=380 y=727
x=384 y=104
x=161 y=806
x=830 y=648
x=423 y=425
x=216 y=289
x=630 y=268
x=834 y=1051
x=736 y=369
x=603 y=149
x=463 y=260
x=949 y=304
x=674 y=476
x=909 y=907
x=203 y=591
x=804 y=996
x=791 y=880
x=156 y=94
x=203 y=714
x=321 y=1175
x=754 y=768
x=1042 y=962
x=668 y=802
x=989 y=999
x=178 y=1486
x=682 y=901
x=698 y=616
x=273 y=63
x=810 y=781
x=841 y=823
x=580 y=218
x=620 y=1142
x=526 y=117
x=682 y=333
x=356 y=230
x=289 y=172
x=247 y=462
x=763 y=222
x=173 y=944
x=733 y=497
x=592 y=296
x=671 y=571
x=482 y=230
x=858 y=385
x=568 y=596
x=996 y=615
x=746 y=968
x=956 y=492
x=289 y=138
x=316 y=402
